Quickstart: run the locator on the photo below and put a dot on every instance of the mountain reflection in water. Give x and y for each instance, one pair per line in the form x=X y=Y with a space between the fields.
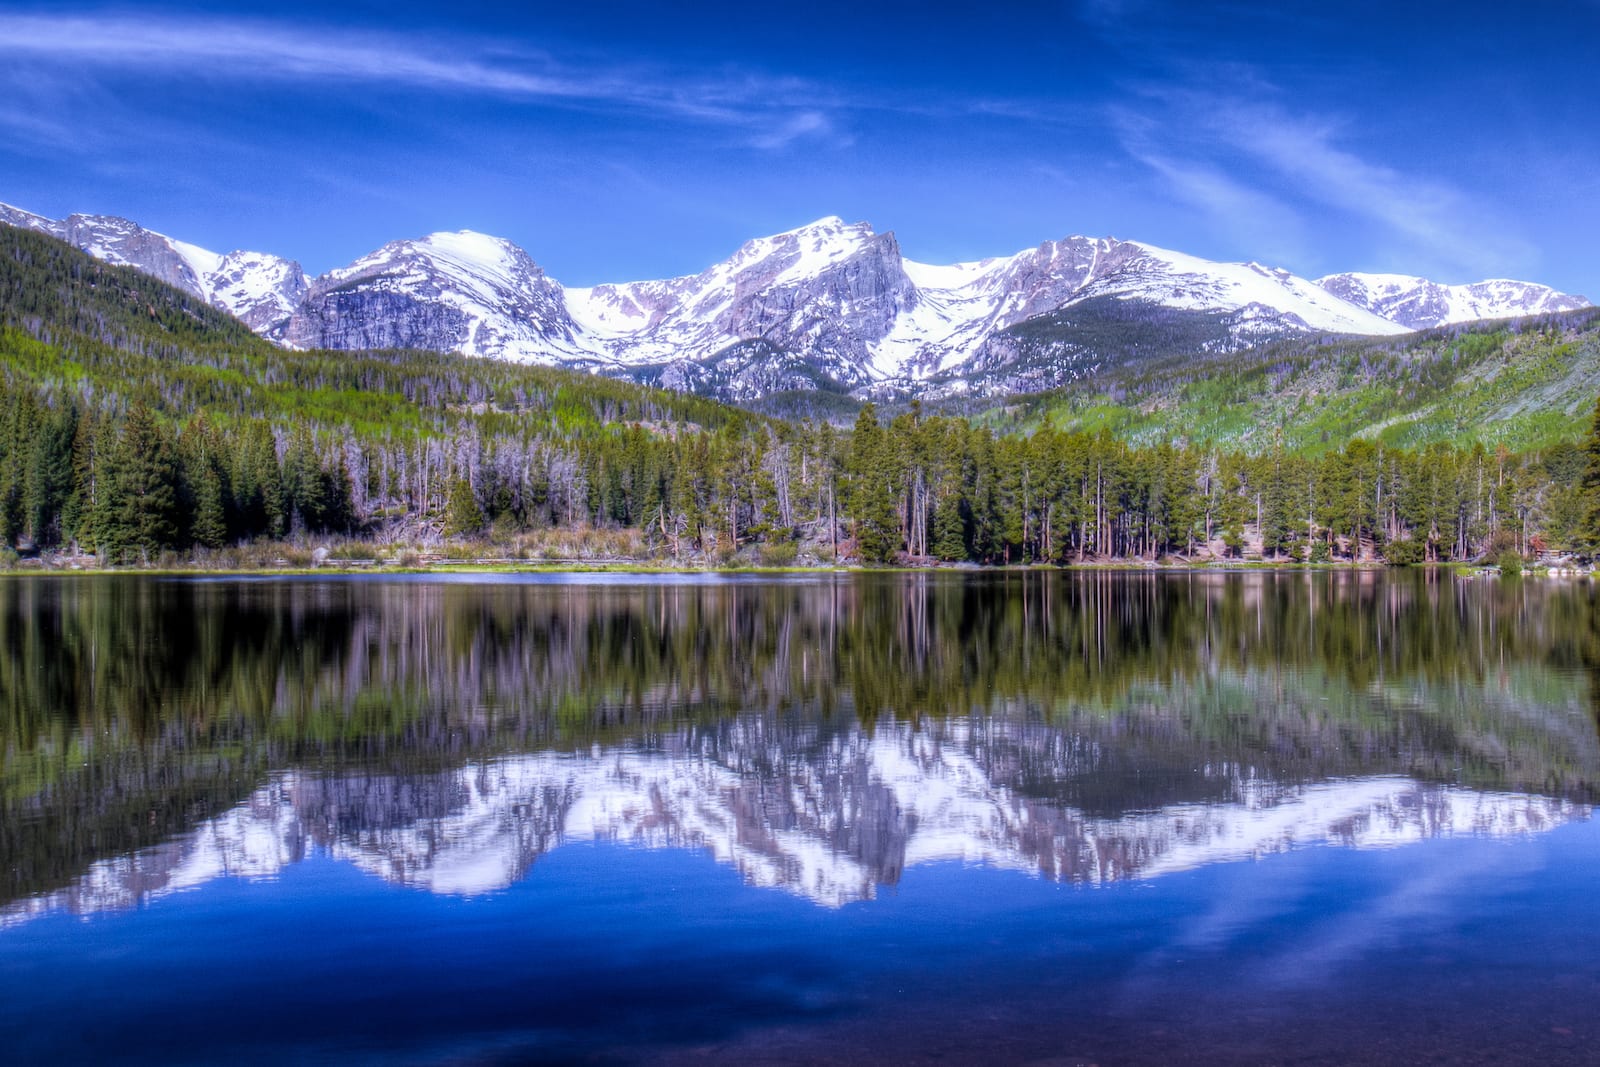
x=831 y=833
x=824 y=736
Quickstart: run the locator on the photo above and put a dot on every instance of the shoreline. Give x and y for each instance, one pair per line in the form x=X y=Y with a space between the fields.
x=487 y=567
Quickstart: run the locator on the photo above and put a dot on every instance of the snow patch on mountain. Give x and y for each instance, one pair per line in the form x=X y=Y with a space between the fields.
x=1173 y=279
x=830 y=289
x=260 y=289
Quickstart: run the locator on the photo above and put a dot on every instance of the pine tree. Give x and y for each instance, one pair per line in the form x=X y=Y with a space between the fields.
x=50 y=476
x=949 y=529
x=338 y=512
x=872 y=489
x=304 y=488
x=462 y=515
x=1591 y=484
x=210 y=526
x=205 y=479
x=92 y=449
x=139 y=514
x=258 y=484
x=16 y=435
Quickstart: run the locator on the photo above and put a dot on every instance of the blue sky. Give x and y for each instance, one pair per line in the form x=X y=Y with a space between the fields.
x=628 y=140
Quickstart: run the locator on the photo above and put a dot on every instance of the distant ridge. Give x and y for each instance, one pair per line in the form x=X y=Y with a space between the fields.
x=830 y=305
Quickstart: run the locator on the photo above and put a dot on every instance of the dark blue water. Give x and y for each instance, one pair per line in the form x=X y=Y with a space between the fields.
x=1459 y=951
x=1218 y=856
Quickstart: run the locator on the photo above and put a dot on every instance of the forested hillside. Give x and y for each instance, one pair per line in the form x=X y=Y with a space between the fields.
x=138 y=420
x=1521 y=384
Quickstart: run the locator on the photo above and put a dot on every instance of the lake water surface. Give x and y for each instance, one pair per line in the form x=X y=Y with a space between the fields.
x=1063 y=818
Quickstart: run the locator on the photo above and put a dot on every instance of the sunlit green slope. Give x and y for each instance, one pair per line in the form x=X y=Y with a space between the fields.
x=1524 y=384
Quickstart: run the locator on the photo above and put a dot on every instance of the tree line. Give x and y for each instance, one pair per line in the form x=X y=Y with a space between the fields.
x=129 y=483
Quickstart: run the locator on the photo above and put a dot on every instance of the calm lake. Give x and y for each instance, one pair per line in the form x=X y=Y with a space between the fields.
x=1130 y=818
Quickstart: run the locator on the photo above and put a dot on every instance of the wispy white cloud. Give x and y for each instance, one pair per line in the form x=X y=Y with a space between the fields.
x=33 y=127
x=35 y=108
x=806 y=124
x=773 y=110
x=1437 y=219
x=1243 y=156
x=249 y=49
x=1271 y=228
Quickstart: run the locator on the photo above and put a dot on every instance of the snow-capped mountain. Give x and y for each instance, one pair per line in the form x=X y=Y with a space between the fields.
x=1043 y=313
x=830 y=303
x=831 y=825
x=844 y=297
x=829 y=291
x=448 y=292
x=259 y=289
x=1419 y=304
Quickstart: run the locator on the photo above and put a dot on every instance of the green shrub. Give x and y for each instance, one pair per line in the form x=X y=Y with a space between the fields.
x=462 y=515
x=778 y=553
x=1404 y=553
x=1510 y=564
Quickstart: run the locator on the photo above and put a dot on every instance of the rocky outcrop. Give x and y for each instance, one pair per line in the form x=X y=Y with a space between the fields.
x=835 y=316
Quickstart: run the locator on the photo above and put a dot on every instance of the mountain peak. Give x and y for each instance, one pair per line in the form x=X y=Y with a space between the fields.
x=12 y=215
x=458 y=254
x=803 y=252
x=466 y=239
x=449 y=291
x=822 y=237
x=830 y=225
x=471 y=248
x=258 y=288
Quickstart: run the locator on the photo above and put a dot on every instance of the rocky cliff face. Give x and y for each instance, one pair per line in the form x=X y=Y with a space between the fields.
x=120 y=241
x=836 y=313
x=260 y=290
